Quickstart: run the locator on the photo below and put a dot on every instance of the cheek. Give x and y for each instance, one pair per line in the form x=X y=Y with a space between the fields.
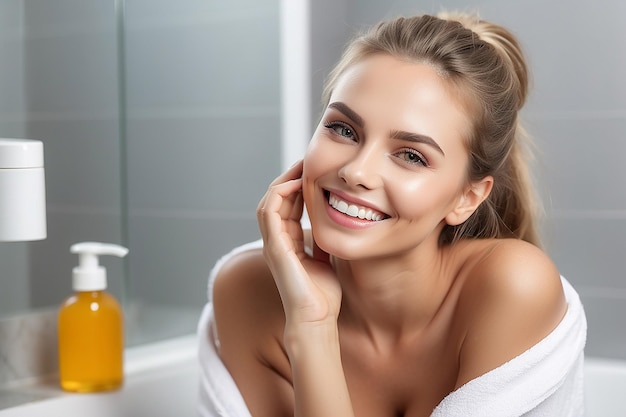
x=422 y=196
x=409 y=197
x=311 y=170
x=317 y=158
x=307 y=190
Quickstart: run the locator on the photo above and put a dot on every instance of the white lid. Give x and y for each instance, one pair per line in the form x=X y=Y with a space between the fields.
x=89 y=275
x=20 y=153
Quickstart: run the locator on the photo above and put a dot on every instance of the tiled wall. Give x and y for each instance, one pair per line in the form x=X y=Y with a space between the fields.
x=577 y=115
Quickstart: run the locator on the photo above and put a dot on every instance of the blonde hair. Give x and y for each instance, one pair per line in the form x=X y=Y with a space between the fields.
x=485 y=65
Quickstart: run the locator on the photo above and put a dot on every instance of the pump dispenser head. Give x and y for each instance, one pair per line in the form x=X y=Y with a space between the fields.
x=89 y=275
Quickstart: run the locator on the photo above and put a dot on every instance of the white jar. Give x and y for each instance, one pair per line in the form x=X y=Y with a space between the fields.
x=22 y=190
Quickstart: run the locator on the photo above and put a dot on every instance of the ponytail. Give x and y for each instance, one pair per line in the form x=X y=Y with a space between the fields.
x=512 y=208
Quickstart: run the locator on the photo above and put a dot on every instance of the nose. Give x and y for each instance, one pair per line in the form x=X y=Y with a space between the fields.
x=363 y=169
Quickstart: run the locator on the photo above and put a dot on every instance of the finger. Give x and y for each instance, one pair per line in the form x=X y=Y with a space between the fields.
x=282 y=202
x=294 y=172
x=298 y=206
x=291 y=209
x=277 y=195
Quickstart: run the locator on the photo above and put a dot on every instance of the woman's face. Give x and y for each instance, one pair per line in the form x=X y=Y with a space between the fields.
x=387 y=163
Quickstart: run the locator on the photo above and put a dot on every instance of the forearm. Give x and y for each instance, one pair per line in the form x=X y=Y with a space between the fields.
x=319 y=382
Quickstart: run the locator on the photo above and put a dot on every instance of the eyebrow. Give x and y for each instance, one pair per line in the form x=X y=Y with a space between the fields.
x=395 y=134
x=348 y=112
x=414 y=137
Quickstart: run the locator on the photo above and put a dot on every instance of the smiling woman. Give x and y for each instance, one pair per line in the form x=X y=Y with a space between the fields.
x=395 y=145
x=420 y=289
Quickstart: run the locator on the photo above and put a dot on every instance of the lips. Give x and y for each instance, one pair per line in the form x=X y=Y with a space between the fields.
x=355 y=210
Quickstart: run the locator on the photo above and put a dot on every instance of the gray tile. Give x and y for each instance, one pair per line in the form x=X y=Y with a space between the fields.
x=202 y=164
x=605 y=320
x=70 y=72
x=82 y=159
x=172 y=257
x=14 y=278
x=580 y=162
x=67 y=17
x=589 y=251
x=151 y=10
x=189 y=64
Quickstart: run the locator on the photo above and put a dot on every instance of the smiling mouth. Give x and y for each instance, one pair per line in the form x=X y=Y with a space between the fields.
x=353 y=210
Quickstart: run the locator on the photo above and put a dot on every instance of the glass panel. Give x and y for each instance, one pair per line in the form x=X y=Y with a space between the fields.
x=202 y=143
x=161 y=127
x=59 y=85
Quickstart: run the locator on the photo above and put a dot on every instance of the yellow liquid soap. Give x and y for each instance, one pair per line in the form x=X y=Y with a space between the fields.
x=91 y=342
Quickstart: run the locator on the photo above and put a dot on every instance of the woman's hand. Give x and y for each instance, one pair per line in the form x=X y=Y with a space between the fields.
x=311 y=297
x=308 y=286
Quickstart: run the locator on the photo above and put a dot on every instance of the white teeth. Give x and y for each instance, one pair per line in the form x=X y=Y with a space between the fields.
x=353 y=210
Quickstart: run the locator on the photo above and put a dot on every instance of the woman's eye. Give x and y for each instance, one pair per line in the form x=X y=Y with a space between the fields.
x=412 y=157
x=341 y=129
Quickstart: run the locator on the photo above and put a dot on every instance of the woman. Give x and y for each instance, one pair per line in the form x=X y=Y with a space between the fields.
x=420 y=289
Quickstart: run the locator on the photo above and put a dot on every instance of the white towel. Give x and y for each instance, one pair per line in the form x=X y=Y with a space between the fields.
x=219 y=395
x=544 y=381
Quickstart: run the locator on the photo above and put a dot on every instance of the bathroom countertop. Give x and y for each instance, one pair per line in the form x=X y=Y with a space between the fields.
x=160 y=380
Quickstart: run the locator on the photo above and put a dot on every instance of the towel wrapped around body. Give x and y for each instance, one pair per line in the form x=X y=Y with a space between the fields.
x=546 y=380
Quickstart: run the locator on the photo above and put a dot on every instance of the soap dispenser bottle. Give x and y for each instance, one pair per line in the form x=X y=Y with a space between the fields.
x=90 y=326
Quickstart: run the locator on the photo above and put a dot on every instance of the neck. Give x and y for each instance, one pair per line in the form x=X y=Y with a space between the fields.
x=394 y=297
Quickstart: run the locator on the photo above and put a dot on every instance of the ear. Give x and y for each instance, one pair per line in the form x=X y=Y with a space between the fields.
x=469 y=201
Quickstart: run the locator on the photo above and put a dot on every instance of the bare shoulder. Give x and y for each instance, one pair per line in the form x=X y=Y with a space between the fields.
x=511 y=299
x=250 y=320
x=242 y=286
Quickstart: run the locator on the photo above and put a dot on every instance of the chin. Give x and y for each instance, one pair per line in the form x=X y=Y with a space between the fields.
x=336 y=244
